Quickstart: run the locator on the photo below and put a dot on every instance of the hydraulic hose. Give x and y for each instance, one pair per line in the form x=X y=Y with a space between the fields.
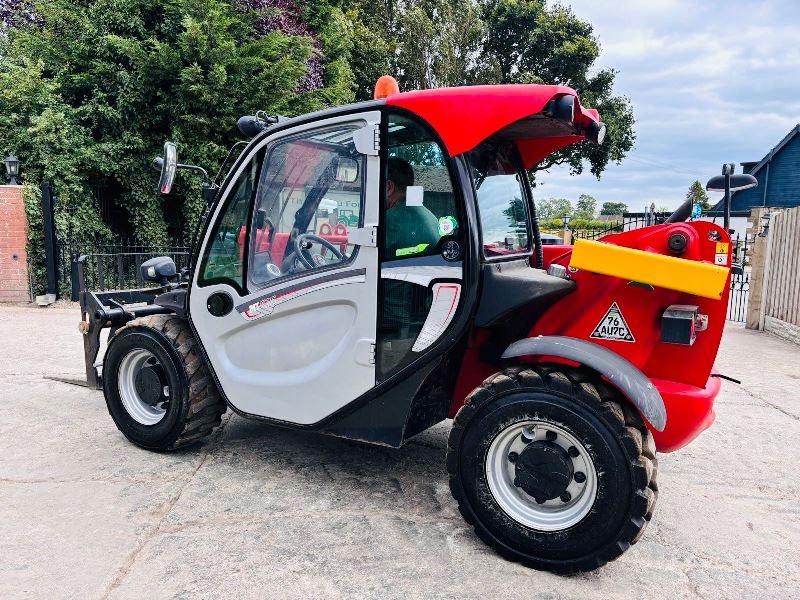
x=537 y=240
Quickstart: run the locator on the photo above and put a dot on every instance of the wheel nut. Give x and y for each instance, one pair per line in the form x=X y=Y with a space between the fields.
x=551 y=436
x=526 y=439
x=566 y=497
x=573 y=451
x=580 y=477
x=513 y=456
x=540 y=500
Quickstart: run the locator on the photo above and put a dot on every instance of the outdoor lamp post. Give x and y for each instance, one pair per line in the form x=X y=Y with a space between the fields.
x=566 y=219
x=765 y=225
x=12 y=168
x=728 y=182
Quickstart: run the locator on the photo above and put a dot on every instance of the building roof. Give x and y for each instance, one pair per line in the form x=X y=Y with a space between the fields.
x=787 y=138
x=778 y=175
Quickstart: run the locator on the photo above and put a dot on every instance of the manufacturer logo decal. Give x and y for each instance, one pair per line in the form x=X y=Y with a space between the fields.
x=613 y=327
x=264 y=305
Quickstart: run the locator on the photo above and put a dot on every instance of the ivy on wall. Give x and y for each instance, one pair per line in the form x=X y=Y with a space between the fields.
x=90 y=91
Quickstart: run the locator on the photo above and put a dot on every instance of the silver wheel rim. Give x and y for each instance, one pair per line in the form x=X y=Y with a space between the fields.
x=139 y=410
x=552 y=515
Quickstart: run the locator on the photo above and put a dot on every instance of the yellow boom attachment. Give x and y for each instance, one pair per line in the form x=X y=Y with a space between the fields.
x=689 y=276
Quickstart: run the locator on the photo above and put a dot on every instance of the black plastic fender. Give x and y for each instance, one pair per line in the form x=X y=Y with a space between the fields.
x=620 y=372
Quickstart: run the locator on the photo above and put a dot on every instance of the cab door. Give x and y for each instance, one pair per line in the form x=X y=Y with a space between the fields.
x=423 y=240
x=284 y=297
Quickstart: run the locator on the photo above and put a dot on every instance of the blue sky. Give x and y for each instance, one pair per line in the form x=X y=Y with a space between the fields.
x=710 y=82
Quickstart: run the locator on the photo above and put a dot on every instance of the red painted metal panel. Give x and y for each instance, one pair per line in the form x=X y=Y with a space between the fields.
x=465 y=116
x=680 y=372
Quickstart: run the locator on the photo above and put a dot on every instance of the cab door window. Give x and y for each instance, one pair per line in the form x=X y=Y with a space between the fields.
x=310 y=196
x=224 y=257
x=420 y=207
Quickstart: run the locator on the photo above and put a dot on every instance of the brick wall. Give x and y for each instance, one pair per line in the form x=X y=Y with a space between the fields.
x=13 y=236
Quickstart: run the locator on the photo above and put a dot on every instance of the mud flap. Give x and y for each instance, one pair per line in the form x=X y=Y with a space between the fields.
x=620 y=372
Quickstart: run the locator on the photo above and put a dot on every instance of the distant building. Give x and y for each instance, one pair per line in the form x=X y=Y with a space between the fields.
x=778 y=175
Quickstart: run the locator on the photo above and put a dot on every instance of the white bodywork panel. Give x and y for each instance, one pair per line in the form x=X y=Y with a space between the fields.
x=445 y=296
x=443 y=309
x=298 y=350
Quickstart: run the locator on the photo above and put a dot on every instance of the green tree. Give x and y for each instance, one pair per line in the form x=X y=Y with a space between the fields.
x=553 y=208
x=697 y=194
x=613 y=208
x=90 y=90
x=430 y=43
x=528 y=41
x=586 y=207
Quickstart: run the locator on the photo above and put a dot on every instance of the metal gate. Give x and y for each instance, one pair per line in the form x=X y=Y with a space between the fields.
x=740 y=293
x=109 y=263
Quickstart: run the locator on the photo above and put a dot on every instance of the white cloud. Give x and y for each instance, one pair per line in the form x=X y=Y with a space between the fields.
x=709 y=82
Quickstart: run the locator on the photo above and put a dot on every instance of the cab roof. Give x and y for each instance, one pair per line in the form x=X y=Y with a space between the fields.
x=466 y=116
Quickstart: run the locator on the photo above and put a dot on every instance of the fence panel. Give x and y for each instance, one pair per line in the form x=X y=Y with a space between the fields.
x=782 y=280
x=110 y=264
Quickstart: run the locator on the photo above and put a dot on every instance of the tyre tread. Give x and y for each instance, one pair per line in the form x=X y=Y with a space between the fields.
x=616 y=411
x=206 y=405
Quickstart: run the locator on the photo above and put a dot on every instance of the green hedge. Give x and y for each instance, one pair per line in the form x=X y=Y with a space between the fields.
x=579 y=224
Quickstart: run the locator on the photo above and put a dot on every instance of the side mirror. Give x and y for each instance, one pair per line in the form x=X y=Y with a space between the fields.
x=346 y=170
x=168 y=165
x=160 y=270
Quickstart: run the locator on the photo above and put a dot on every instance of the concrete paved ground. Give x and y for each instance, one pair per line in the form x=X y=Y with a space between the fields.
x=261 y=512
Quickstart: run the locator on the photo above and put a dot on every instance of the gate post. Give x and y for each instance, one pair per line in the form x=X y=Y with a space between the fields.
x=758 y=255
x=50 y=243
x=74 y=277
x=15 y=284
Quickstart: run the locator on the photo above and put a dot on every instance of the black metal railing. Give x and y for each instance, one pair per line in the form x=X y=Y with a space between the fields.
x=112 y=266
x=637 y=220
x=628 y=222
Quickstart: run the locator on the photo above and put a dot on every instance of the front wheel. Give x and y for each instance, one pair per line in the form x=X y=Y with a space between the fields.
x=552 y=468
x=157 y=386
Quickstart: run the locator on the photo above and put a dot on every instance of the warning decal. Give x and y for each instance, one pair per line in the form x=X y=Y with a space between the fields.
x=613 y=327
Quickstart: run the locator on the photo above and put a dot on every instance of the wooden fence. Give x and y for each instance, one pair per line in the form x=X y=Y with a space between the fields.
x=777 y=273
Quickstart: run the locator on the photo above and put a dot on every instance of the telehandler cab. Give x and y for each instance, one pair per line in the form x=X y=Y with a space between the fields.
x=370 y=270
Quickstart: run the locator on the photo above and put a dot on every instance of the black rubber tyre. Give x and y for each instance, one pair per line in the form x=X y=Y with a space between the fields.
x=619 y=444
x=196 y=406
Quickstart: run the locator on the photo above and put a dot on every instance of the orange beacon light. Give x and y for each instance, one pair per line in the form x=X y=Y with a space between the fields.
x=385 y=87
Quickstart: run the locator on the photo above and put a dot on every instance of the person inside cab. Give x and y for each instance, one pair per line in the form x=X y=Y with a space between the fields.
x=410 y=229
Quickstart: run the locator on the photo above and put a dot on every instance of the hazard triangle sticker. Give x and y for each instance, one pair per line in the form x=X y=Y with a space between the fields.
x=613 y=327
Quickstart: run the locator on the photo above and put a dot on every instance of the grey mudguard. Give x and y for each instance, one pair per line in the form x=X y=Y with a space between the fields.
x=624 y=375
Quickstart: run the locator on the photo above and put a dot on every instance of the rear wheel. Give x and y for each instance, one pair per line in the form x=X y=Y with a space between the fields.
x=157 y=387
x=552 y=468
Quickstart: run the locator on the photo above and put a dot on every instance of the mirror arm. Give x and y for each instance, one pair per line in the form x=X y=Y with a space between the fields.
x=200 y=170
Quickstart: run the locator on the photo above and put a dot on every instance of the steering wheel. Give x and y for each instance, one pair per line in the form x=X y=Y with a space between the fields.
x=301 y=251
